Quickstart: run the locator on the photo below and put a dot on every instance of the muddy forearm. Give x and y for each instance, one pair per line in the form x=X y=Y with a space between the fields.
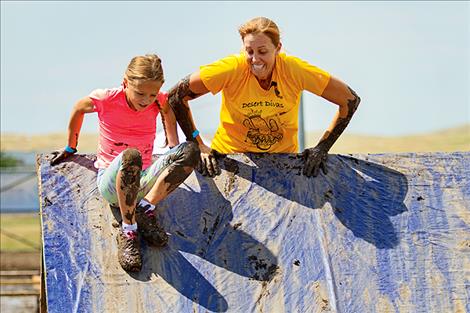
x=75 y=124
x=178 y=99
x=331 y=135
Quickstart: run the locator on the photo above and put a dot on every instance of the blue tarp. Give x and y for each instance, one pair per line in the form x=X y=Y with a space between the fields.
x=378 y=233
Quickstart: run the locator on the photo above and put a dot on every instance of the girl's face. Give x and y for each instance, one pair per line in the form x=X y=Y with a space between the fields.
x=140 y=94
x=261 y=54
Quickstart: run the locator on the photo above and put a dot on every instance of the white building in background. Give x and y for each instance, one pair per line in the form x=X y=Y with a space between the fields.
x=158 y=145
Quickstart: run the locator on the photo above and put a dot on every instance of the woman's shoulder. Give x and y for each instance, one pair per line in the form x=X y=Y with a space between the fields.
x=228 y=67
x=294 y=65
x=232 y=61
x=291 y=60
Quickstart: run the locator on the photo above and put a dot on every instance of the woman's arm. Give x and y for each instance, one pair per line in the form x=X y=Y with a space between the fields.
x=347 y=100
x=169 y=124
x=189 y=88
x=341 y=94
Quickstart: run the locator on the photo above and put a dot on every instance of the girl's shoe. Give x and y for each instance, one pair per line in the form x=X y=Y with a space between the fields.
x=153 y=233
x=129 y=251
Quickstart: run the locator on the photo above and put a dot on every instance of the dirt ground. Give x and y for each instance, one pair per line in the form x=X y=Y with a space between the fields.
x=10 y=261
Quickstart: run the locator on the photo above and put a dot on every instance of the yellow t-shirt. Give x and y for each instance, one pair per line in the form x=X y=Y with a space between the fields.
x=253 y=119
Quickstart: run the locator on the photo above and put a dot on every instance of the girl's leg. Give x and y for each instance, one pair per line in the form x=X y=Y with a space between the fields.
x=120 y=182
x=128 y=183
x=119 y=185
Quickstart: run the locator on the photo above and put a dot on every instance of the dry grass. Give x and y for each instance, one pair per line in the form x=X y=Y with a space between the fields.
x=46 y=142
x=455 y=139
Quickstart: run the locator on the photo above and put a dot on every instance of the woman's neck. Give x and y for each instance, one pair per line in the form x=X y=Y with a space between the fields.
x=265 y=83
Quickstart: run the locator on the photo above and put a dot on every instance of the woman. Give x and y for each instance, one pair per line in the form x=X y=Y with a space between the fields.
x=261 y=89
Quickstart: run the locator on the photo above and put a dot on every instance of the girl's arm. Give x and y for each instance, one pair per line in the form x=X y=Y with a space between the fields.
x=84 y=105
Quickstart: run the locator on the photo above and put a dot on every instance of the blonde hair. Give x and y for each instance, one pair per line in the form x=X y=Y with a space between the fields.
x=144 y=68
x=261 y=25
x=147 y=68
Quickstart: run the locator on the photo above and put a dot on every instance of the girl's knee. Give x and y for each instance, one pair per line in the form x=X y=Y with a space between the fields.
x=129 y=176
x=131 y=167
x=131 y=157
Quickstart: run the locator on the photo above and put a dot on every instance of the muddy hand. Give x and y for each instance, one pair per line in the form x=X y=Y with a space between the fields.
x=314 y=159
x=60 y=156
x=208 y=165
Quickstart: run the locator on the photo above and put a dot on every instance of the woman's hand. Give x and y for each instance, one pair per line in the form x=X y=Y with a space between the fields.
x=314 y=159
x=208 y=162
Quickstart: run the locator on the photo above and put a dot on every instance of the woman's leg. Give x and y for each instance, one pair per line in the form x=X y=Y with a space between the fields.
x=169 y=171
x=159 y=180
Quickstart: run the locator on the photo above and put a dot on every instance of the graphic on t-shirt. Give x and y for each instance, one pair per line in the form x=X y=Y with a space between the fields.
x=276 y=91
x=262 y=132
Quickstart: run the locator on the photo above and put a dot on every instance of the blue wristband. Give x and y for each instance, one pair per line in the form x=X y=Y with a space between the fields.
x=70 y=150
x=195 y=133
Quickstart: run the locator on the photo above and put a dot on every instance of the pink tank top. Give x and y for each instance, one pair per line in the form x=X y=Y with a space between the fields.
x=122 y=128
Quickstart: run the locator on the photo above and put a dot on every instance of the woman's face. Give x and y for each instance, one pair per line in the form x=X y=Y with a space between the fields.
x=261 y=54
x=140 y=94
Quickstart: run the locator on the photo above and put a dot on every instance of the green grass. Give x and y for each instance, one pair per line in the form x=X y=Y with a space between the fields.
x=20 y=232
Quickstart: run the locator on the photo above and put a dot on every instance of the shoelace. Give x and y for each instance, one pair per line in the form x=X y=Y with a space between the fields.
x=131 y=234
x=150 y=213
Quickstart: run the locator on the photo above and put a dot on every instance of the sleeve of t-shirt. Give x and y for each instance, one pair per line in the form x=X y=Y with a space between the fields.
x=311 y=78
x=162 y=98
x=98 y=97
x=218 y=74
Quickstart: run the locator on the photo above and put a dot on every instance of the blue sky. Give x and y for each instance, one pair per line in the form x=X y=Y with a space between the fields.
x=409 y=61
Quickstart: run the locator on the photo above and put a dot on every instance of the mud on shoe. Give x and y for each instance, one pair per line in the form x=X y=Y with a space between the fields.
x=153 y=233
x=129 y=251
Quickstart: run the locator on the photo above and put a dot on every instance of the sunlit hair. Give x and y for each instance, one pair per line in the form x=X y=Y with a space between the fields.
x=145 y=68
x=261 y=25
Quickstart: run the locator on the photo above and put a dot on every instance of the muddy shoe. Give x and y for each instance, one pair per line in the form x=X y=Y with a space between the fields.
x=129 y=251
x=149 y=229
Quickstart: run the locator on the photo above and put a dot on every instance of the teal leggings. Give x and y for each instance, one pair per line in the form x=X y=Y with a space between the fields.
x=106 y=179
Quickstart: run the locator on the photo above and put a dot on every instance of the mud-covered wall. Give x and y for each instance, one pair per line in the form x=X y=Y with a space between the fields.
x=379 y=233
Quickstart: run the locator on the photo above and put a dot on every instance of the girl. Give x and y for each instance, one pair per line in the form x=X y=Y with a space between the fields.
x=127 y=177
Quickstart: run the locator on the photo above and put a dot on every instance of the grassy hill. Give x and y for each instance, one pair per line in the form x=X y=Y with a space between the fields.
x=454 y=139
